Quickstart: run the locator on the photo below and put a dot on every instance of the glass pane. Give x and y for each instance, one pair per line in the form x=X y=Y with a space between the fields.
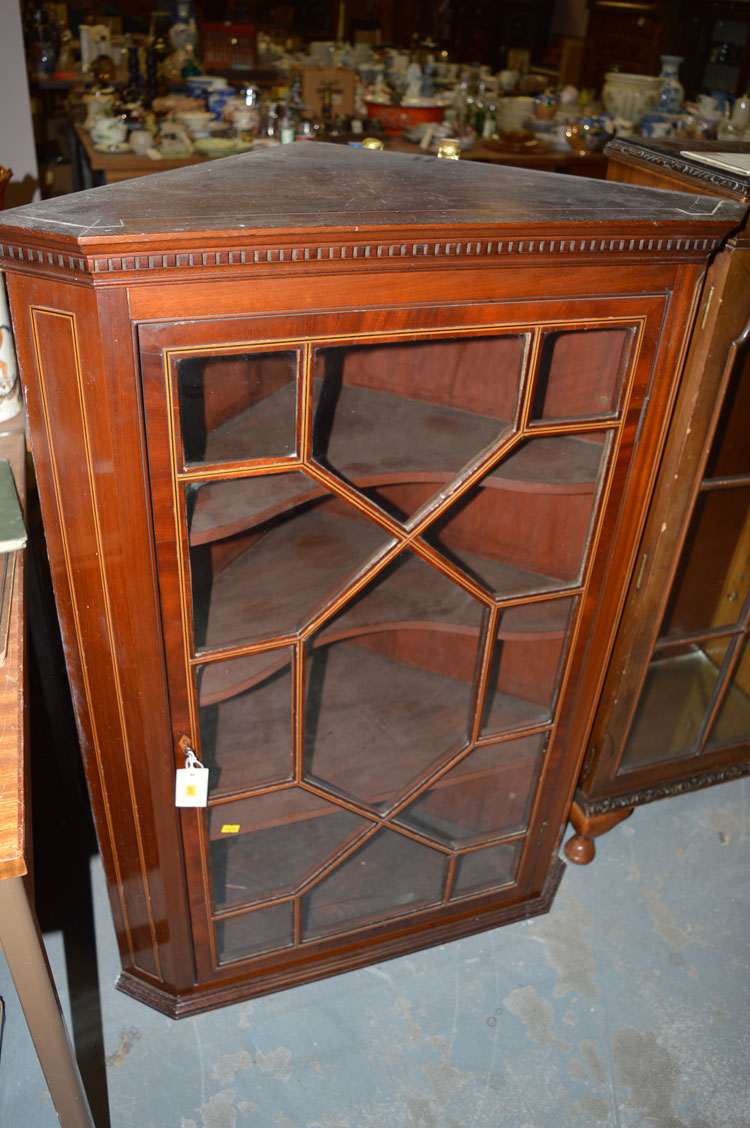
x=527 y=663
x=486 y=795
x=245 y=720
x=730 y=450
x=250 y=934
x=481 y=870
x=261 y=566
x=713 y=580
x=581 y=373
x=390 y=683
x=732 y=724
x=677 y=694
x=525 y=527
x=388 y=876
x=265 y=847
x=413 y=411
x=235 y=407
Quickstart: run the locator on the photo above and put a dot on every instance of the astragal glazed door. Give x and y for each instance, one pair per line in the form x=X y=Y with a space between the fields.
x=374 y=548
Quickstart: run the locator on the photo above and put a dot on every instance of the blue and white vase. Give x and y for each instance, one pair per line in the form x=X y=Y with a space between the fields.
x=672 y=91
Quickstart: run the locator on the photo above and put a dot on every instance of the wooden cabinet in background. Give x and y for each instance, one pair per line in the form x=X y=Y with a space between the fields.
x=713 y=36
x=622 y=36
x=343 y=458
x=675 y=709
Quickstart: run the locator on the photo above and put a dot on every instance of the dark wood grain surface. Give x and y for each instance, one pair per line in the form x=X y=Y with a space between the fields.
x=322 y=185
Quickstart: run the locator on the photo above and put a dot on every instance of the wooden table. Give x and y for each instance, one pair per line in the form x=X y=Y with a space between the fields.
x=92 y=167
x=20 y=935
x=543 y=159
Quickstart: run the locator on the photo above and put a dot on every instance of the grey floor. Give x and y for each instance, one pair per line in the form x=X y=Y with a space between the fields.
x=627 y=1005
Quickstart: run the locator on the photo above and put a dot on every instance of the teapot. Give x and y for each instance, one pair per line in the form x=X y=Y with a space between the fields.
x=109 y=131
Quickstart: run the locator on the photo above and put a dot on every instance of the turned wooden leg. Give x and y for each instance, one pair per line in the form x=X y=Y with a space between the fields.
x=580 y=848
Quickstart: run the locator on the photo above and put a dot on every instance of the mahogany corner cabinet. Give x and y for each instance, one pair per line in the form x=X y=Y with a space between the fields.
x=343 y=457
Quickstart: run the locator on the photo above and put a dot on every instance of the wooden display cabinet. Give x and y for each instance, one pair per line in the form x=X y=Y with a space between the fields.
x=675 y=708
x=624 y=36
x=343 y=458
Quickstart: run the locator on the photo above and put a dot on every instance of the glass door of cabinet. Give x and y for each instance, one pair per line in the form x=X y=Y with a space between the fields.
x=696 y=696
x=379 y=549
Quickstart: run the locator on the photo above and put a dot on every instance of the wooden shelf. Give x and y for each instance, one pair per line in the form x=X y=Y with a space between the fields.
x=273 y=417
x=559 y=464
x=487 y=793
x=555 y=464
x=259 y=594
x=418 y=709
x=294 y=829
x=376 y=714
x=246 y=740
x=676 y=694
x=286 y=576
x=226 y=678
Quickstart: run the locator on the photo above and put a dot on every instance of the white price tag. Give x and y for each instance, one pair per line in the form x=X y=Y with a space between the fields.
x=191 y=783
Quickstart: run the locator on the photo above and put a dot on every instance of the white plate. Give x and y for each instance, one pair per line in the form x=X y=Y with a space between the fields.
x=121 y=147
x=221 y=146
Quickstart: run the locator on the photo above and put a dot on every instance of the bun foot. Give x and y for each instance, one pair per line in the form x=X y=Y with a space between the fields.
x=580 y=849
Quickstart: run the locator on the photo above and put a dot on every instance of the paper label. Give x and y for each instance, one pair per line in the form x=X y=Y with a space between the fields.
x=191 y=787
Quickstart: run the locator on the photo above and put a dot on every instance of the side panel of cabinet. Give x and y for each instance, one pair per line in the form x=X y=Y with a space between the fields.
x=84 y=416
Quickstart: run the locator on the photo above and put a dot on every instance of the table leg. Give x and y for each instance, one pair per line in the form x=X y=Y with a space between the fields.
x=27 y=960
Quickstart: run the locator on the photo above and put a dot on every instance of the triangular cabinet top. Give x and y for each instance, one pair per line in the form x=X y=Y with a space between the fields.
x=310 y=201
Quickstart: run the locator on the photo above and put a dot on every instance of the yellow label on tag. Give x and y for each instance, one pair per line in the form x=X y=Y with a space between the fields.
x=191 y=789
x=230 y=828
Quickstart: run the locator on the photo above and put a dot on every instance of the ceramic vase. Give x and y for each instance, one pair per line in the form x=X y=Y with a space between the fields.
x=630 y=96
x=10 y=391
x=672 y=92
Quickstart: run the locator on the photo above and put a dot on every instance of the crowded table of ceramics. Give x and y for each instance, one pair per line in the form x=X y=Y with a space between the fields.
x=93 y=166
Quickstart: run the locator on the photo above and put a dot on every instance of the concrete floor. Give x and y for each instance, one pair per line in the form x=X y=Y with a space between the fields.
x=626 y=1006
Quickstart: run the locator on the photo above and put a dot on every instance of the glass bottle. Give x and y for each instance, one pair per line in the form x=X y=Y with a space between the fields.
x=287 y=125
x=480 y=111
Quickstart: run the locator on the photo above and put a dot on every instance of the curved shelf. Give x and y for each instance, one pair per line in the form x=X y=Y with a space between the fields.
x=368 y=756
x=285 y=577
x=430 y=445
x=233 y=505
x=274 y=417
x=226 y=679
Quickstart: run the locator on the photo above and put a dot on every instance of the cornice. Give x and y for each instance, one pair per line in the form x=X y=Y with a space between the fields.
x=200 y=260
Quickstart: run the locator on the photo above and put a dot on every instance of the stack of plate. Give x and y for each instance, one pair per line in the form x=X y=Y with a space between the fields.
x=512 y=114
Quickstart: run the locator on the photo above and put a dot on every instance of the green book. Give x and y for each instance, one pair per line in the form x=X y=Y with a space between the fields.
x=12 y=530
